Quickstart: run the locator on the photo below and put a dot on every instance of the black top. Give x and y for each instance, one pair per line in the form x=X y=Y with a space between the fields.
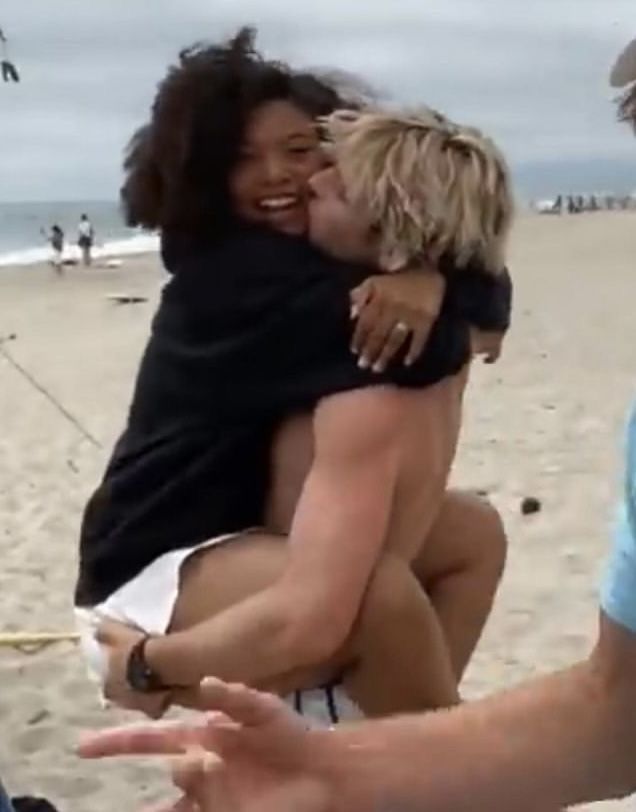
x=247 y=333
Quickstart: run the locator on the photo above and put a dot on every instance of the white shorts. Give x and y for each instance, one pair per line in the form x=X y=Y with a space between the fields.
x=147 y=603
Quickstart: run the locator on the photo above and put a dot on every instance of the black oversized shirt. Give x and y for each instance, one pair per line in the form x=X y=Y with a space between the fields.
x=247 y=332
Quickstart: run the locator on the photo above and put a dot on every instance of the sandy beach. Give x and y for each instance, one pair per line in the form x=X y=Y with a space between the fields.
x=546 y=422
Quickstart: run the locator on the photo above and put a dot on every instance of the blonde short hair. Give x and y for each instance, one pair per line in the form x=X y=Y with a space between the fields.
x=432 y=189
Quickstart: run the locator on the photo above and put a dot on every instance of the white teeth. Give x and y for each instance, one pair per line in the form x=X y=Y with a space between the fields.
x=273 y=203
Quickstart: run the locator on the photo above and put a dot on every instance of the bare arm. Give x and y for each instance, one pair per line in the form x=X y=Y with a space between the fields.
x=564 y=739
x=337 y=533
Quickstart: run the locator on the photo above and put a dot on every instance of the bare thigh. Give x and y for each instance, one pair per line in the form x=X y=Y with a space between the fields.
x=460 y=566
x=219 y=577
x=467 y=531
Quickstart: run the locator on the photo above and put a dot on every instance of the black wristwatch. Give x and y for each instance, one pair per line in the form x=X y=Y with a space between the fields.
x=139 y=675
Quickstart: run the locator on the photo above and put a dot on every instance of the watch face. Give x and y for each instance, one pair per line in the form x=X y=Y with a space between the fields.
x=139 y=676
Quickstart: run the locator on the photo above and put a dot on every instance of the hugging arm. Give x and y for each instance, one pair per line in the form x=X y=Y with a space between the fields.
x=396 y=312
x=283 y=340
x=337 y=533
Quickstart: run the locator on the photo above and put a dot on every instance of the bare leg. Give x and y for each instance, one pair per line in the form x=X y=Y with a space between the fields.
x=460 y=566
x=219 y=577
x=458 y=570
x=403 y=661
x=398 y=654
x=399 y=657
x=399 y=660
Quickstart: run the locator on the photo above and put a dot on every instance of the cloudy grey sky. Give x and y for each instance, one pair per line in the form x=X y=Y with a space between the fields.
x=531 y=72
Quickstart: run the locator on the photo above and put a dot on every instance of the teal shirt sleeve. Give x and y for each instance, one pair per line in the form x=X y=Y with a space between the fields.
x=618 y=597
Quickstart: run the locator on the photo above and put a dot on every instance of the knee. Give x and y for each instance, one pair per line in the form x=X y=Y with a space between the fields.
x=468 y=537
x=489 y=546
x=392 y=601
x=393 y=594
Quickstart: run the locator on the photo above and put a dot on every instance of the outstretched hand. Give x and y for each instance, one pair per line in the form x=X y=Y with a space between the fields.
x=253 y=755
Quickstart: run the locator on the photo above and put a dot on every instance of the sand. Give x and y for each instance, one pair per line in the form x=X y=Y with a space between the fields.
x=546 y=421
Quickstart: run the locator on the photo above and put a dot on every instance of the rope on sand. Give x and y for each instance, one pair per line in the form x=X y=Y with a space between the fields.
x=51 y=398
x=34 y=641
x=30 y=642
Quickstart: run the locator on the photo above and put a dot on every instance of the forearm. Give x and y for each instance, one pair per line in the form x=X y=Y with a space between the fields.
x=334 y=543
x=554 y=742
x=252 y=642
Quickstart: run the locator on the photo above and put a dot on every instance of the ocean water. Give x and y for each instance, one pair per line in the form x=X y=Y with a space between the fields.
x=21 y=224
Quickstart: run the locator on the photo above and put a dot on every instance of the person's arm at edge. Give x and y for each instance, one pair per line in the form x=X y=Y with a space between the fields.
x=562 y=739
x=336 y=537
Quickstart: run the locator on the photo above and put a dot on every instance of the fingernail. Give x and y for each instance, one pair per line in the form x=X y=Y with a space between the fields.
x=364 y=363
x=408 y=362
x=378 y=367
x=354 y=312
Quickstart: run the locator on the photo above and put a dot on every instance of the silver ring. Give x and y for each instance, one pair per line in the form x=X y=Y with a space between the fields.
x=401 y=327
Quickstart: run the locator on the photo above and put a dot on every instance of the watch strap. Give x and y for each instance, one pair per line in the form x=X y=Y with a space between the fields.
x=139 y=675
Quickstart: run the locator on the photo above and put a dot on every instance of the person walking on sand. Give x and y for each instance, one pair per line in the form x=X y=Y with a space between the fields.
x=55 y=237
x=86 y=237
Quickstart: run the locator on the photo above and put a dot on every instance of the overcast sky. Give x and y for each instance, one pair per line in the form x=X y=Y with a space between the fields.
x=533 y=73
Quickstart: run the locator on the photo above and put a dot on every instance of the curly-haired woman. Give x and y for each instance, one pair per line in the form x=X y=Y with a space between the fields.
x=249 y=366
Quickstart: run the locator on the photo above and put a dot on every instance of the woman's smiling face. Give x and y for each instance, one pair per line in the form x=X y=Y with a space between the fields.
x=283 y=180
x=280 y=152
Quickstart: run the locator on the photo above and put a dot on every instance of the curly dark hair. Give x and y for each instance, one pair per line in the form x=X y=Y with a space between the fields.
x=177 y=165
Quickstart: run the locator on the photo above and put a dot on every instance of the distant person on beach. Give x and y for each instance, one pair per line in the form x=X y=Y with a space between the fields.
x=252 y=342
x=8 y=70
x=55 y=236
x=568 y=738
x=85 y=239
